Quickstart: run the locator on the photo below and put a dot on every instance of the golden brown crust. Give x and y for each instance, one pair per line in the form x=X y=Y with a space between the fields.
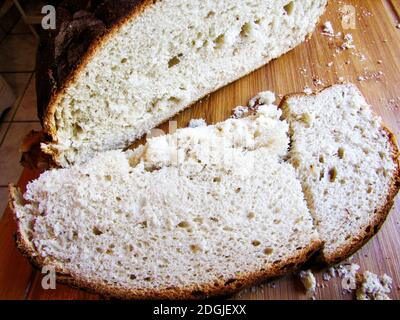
x=355 y=243
x=48 y=120
x=221 y=287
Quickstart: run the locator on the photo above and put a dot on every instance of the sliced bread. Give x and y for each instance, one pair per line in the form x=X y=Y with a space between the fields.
x=115 y=69
x=200 y=212
x=347 y=162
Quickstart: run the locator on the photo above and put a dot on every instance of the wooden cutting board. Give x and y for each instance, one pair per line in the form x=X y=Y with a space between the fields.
x=316 y=63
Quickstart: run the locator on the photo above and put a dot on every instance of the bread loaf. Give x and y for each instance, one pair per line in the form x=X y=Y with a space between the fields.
x=115 y=69
x=207 y=210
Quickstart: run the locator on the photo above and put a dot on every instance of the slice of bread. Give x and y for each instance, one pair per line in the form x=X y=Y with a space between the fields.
x=347 y=162
x=115 y=69
x=200 y=212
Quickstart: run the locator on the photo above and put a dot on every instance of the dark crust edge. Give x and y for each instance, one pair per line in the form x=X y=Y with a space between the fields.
x=220 y=288
x=356 y=242
x=47 y=110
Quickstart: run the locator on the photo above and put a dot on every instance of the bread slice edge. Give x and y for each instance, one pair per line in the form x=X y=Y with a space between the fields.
x=355 y=243
x=199 y=291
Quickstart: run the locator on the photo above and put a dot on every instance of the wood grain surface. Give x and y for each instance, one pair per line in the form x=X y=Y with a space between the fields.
x=316 y=63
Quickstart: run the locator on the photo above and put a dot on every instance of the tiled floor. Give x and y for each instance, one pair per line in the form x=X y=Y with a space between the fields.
x=17 y=65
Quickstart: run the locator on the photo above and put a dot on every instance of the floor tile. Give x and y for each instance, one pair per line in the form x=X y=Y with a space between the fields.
x=3 y=200
x=9 y=151
x=18 y=53
x=20 y=27
x=27 y=107
x=18 y=82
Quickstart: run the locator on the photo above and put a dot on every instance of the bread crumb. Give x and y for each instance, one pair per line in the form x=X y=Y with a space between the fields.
x=348 y=42
x=309 y=282
x=263 y=98
x=327 y=30
x=372 y=287
x=307 y=90
x=194 y=123
x=240 y=112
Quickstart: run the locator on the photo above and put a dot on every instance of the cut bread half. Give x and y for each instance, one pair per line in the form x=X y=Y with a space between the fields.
x=113 y=70
x=347 y=162
x=201 y=212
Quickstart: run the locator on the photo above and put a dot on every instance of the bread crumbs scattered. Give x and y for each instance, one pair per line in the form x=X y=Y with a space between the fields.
x=309 y=282
x=372 y=287
x=307 y=90
x=327 y=29
x=194 y=123
x=240 y=112
x=348 y=42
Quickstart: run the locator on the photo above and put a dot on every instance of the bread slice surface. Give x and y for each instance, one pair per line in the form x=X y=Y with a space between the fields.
x=201 y=212
x=347 y=162
x=162 y=57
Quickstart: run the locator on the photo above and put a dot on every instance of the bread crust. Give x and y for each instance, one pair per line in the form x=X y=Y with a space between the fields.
x=356 y=242
x=221 y=287
x=50 y=90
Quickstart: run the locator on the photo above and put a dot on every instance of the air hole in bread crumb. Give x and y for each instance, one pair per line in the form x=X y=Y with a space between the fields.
x=198 y=220
x=255 y=243
x=321 y=159
x=217 y=179
x=195 y=248
x=143 y=224
x=341 y=153
x=108 y=177
x=237 y=190
x=332 y=175
x=277 y=221
x=246 y=30
x=173 y=61
x=183 y=224
x=97 y=231
x=132 y=277
x=210 y=14
x=118 y=198
x=251 y=215
x=268 y=251
x=219 y=41
x=289 y=8
x=124 y=60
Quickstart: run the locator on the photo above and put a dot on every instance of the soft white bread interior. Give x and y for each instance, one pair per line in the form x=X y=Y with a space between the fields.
x=162 y=60
x=200 y=212
x=347 y=162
